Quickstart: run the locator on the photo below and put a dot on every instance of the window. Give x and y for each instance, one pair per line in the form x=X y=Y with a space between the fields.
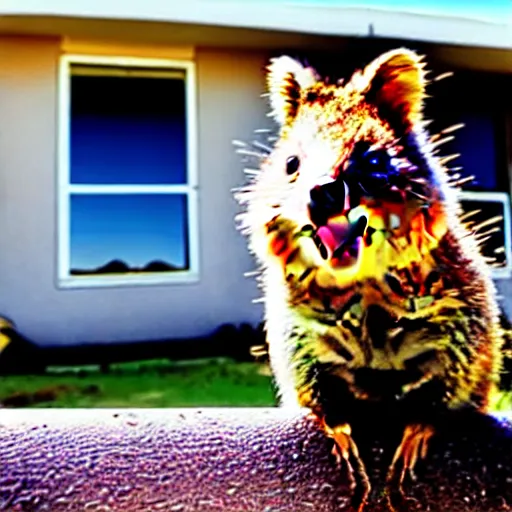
x=491 y=210
x=127 y=172
x=476 y=100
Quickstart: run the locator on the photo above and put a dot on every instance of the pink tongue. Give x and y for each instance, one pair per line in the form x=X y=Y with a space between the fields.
x=332 y=235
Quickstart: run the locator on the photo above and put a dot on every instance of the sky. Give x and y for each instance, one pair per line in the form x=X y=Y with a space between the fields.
x=133 y=228
x=494 y=9
x=131 y=150
x=115 y=140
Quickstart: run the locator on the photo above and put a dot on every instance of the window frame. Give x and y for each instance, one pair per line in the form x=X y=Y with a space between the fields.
x=65 y=188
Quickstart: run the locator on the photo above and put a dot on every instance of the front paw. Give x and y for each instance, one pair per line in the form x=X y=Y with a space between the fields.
x=345 y=451
x=414 y=446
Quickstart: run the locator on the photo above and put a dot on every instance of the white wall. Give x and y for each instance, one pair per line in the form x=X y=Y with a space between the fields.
x=229 y=106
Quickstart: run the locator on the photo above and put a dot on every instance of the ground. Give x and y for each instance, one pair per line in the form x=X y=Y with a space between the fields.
x=161 y=383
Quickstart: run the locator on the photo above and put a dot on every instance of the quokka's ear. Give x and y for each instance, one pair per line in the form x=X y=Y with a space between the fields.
x=287 y=79
x=395 y=83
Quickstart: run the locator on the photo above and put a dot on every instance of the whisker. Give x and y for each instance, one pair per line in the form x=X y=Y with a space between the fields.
x=488 y=222
x=444 y=160
x=258 y=351
x=442 y=141
x=462 y=181
x=469 y=214
x=262 y=146
x=481 y=241
x=488 y=232
x=252 y=273
x=442 y=76
x=248 y=152
x=453 y=128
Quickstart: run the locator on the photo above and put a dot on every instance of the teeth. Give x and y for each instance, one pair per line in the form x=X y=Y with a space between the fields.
x=394 y=221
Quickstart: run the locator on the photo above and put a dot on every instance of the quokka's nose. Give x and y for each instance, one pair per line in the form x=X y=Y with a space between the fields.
x=326 y=201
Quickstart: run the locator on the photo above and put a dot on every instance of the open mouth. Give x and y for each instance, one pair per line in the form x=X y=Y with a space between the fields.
x=340 y=240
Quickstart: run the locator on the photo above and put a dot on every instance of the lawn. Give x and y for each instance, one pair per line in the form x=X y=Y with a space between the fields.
x=161 y=383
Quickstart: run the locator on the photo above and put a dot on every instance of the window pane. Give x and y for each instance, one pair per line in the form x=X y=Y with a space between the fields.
x=494 y=246
x=128 y=233
x=474 y=99
x=476 y=143
x=127 y=129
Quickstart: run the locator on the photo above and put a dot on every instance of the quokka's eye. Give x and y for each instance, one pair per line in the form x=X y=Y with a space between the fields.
x=375 y=170
x=376 y=160
x=292 y=165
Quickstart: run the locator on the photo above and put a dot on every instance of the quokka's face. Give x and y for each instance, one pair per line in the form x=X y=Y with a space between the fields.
x=343 y=170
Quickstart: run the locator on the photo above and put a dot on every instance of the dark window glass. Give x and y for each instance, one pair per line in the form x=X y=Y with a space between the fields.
x=127 y=128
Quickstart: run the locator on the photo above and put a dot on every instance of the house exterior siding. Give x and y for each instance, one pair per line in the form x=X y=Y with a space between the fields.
x=228 y=83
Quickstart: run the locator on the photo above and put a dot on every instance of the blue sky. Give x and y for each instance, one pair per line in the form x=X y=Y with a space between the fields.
x=127 y=131
x=127 y=150
x=486 y=9
x=134 y=228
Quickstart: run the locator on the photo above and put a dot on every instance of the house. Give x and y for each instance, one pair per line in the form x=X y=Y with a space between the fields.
x=110 y=233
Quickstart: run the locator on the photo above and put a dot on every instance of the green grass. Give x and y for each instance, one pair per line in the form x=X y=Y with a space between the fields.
x=217 y=383
x=158 y=383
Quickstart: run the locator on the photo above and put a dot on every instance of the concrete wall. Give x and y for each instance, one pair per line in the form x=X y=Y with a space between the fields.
x=229 y=106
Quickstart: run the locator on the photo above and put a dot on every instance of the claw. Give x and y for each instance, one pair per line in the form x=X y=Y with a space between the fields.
x=345 y=449
x=414 y=445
